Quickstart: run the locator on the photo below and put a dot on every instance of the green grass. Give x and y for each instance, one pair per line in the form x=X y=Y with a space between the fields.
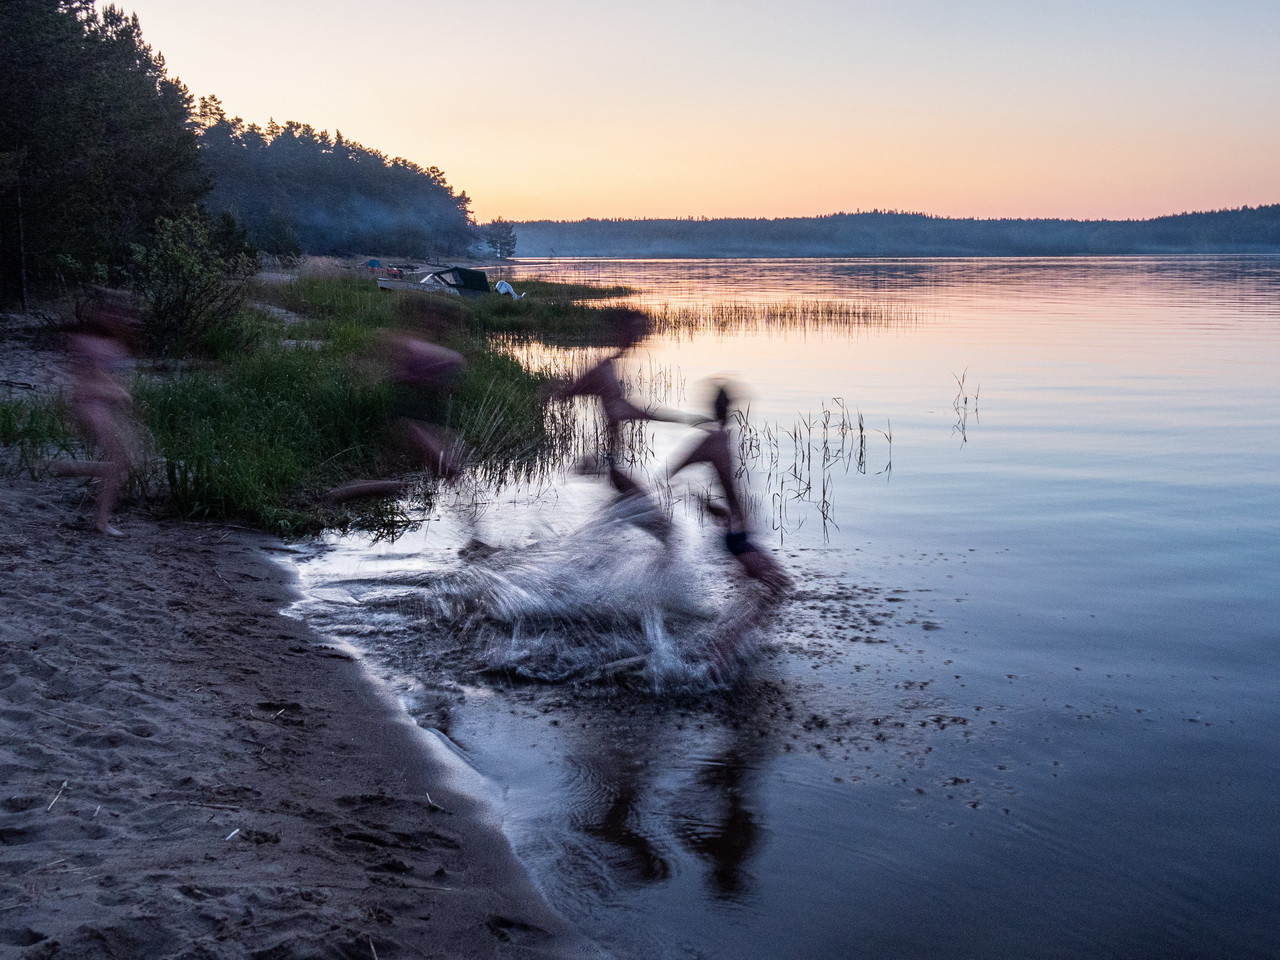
x=257 y=431
x=259 y=438
x=552 y=311
x=262 y=434
x=548 y=320
x=32 y=431
x=248 y=331
x=344 y=307
x=842 y=316
x=329 y=299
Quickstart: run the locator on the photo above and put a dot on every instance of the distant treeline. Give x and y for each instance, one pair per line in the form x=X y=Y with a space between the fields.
x=889 y=234
x=297 y=190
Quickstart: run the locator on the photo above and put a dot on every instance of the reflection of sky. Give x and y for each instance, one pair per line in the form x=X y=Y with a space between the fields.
x=567 y=109
x=1143 y=318
x=1145 y=397
x=1117 y=406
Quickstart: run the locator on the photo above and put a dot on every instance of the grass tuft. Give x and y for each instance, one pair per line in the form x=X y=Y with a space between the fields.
x=32 y=431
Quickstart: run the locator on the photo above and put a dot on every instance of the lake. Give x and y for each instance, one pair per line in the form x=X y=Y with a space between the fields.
x=1023 y=701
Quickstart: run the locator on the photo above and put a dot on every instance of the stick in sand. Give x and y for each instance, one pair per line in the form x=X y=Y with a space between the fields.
x=56 y=796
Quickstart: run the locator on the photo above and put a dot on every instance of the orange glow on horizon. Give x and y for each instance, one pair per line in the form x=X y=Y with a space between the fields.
x=991 y=111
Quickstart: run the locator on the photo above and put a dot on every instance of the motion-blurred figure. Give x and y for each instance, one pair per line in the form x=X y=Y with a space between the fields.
x=629 y=328
x=100 y=405
x=716 y=450
x=413 y=364
x=717 y=816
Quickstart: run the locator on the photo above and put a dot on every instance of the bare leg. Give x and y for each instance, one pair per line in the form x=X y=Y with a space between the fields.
x=110 y=476
x=649 y=516
x=651 y=519
x=363 y=489
x=624 y=484
x=761 y=567
x=110 y=431
x=113 y=480
x=437 y=450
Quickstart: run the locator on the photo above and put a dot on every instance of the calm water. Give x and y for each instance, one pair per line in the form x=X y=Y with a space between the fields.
x=1024 y=702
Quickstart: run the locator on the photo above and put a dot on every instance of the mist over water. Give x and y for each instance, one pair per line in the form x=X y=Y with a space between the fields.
x=1022 y=702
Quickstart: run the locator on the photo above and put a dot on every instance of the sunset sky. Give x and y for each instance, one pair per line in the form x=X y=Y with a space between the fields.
x=566 y=109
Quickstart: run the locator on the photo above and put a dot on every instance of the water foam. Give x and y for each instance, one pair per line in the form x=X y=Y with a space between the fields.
x=607 y=602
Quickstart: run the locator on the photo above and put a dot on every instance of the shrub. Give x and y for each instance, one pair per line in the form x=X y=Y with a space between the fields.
x=186 y=287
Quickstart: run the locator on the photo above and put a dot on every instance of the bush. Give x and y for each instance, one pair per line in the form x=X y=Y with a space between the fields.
x=186 y=287
x=259 y=437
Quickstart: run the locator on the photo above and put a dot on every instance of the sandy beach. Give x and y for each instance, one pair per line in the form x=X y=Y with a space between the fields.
x=187 y=772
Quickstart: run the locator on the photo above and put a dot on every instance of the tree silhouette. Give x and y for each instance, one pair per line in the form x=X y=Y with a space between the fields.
x=299 y=190
x=95 y=144
x=499 y=236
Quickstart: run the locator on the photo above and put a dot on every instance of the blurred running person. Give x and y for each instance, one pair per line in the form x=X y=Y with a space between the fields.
x=716 y=450
x=100 y=406
x=412 y=364
x=629 y=327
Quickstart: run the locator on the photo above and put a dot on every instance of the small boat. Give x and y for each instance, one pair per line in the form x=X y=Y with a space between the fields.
x=452 y=280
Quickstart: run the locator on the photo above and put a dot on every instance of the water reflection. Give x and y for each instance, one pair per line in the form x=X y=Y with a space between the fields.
x=792 y=318
x=662 y=784
x=964 y=405
x=717 y=819
x=789 y=468
x=1246 y=282
x=989 y=651
x=613 y=800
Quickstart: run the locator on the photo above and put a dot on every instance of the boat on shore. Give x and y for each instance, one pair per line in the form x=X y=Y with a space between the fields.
x=458 y=281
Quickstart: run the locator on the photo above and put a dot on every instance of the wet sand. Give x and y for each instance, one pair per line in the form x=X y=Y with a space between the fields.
x=186 y=772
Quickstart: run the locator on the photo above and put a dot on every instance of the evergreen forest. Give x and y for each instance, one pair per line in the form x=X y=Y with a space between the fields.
x=1248 y=230
x=95 y=145
x=100 y=149
x=101 y=153
x=297 y=190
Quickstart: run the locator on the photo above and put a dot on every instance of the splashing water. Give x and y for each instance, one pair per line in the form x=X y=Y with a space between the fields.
x=609 y=602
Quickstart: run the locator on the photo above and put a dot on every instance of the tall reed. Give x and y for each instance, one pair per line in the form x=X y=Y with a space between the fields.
x=843 y=317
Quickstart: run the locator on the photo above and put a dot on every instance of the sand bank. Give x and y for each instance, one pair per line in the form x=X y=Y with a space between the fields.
x=185 y=772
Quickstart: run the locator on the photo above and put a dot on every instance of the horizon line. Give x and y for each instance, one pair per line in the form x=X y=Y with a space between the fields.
x=897 y=213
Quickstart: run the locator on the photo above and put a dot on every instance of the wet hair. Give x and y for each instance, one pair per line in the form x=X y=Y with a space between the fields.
x=722 y=402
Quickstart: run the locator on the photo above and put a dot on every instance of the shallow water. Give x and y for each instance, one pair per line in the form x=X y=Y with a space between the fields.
x=1023 y=701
